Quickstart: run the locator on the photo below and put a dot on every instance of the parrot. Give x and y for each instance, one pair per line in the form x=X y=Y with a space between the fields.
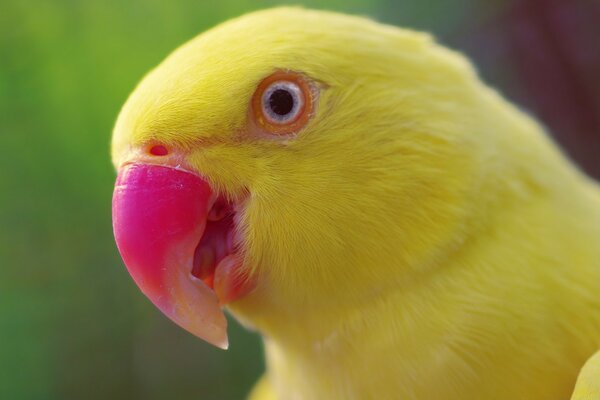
x=390 y=225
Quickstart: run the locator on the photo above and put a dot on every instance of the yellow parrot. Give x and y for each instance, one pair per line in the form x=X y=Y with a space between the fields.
x=390 y=225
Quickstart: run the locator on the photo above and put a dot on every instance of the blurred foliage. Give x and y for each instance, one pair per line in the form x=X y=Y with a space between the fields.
x=72 y=323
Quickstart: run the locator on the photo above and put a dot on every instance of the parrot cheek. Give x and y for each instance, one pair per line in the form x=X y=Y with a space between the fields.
x=175 y=241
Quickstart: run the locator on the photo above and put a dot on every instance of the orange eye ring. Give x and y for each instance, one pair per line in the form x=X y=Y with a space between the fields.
x=283 y=103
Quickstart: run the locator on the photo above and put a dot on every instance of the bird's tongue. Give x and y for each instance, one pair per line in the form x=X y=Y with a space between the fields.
x=159 y=216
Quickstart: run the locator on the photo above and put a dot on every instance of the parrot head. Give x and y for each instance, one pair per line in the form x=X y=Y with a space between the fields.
x=294 y=165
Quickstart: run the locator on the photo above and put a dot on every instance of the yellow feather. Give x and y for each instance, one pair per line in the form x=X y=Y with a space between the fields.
x=421 y=238
x=588 y=382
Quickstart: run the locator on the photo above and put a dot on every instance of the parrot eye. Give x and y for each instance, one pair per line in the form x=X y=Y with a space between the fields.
x=282 y=103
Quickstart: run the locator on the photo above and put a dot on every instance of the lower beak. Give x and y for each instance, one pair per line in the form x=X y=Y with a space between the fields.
x=159 y=216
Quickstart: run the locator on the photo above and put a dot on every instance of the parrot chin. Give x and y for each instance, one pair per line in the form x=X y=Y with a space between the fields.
x=176 y=237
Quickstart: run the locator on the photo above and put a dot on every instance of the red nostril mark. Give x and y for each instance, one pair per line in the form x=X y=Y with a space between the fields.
x=159 y=150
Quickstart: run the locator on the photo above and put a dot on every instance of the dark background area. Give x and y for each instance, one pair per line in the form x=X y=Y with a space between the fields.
x=72 y=323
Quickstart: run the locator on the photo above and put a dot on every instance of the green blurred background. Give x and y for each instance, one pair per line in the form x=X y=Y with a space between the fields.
x=72 y=323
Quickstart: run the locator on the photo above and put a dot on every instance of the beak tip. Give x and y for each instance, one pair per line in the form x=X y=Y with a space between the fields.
x=223 y=345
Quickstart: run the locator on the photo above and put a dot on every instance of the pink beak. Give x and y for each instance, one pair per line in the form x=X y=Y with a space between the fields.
x=159 y=216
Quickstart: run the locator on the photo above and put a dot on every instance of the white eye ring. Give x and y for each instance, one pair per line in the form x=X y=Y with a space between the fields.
x=282 y=102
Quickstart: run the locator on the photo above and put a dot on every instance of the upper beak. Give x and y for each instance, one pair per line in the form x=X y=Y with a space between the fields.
x=159 y=217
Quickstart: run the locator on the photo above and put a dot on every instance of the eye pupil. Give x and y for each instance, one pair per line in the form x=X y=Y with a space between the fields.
x=281 y=102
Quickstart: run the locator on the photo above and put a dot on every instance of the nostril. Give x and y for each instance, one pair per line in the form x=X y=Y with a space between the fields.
x=159 y=150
